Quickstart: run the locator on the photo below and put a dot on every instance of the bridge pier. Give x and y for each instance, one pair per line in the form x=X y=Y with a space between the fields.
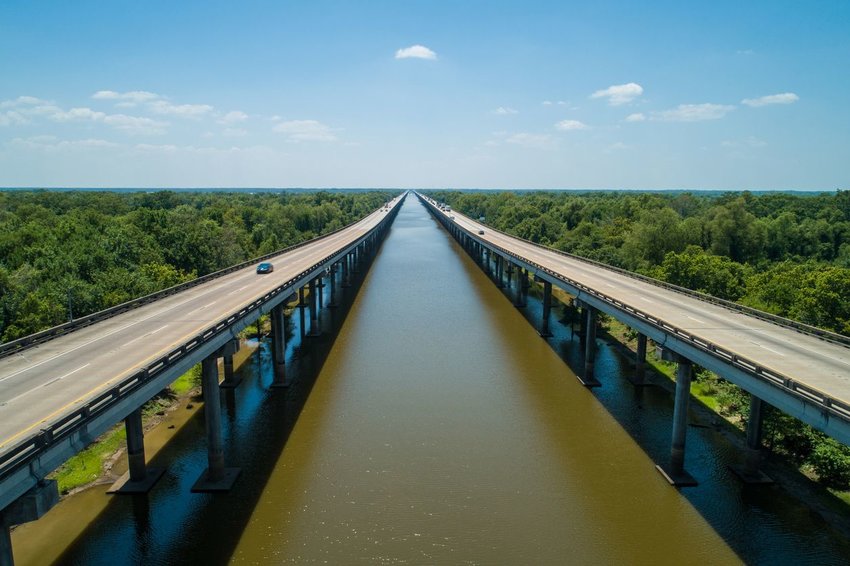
x=345 y=280
x=216 y=477
x=320 y=285
x=139 y=478
x=314 y=309
x=521 y=282
x=675 y=472
x=750 y=471
x=547 y=309
x=227 y=351
x=278 y=346
x=31 y=506
x=500 y=271
x=639 y=378
x=589 y=380
x=510 y=273
x=332 y=277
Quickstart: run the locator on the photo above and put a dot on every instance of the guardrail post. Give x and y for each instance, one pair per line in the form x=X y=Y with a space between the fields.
x=675 y=472
x=639 y=377
x=139 y=478
x=278 y=346
x=216 y=477
x=314 y=309
x=547 y=309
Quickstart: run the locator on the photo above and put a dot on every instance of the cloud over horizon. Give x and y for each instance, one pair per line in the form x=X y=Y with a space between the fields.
x=415 y=52
x=783 y=98
x=618 y=95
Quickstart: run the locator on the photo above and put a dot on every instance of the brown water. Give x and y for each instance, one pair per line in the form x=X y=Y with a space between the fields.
x=430 y=424
x=442 y=429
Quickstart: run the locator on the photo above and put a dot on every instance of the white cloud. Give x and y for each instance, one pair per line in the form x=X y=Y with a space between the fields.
x=23 y=101
x=693 y=112
x=181 y=110
x=636 y=117
x=547 y=103
x=415 y=52
x=12 y=117
x=77 y=114
x=135 y=125
x=783 y=98
x=233 y=117
x=619 y=94
x=503 y=111
x=539 y=141
x=134 y=96
x=305 y=130
x=569 y=125
x=52 y=143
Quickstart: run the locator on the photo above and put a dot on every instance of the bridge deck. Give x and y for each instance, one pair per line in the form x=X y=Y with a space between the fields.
x=819 y=364
x=46 y=381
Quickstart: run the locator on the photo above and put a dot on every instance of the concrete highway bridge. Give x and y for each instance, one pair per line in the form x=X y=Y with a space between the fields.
x=62 y=388
x=801 y=370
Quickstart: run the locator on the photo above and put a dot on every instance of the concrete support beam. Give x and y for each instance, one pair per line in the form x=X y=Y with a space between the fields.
x=332 y=304
x=6 y=556
x=639 y=378
x=314 y=309
x=346 y=280
x=320 y=300
x=510 y=273
x=500 y=271
x=139 y=478
x=231 y=380
x=675 y=472
x=216 y=477
x=278 y=346
x=547 y=310
x=589 y=380
x=29 y=507
x=750 y=470
x=521 y=282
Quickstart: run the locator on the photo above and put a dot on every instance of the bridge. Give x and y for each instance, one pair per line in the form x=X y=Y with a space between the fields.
x=799 y=369
x=62 y=388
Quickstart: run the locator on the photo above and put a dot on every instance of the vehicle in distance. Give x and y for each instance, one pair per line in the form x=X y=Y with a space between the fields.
x=481 y=232
x=265 y=267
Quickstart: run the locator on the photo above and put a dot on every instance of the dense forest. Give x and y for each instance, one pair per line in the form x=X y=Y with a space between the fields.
x=71 y=253
x=788 y=254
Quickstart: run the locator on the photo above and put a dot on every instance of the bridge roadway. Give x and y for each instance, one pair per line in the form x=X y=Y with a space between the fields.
x=818 y=369
x=42 y=383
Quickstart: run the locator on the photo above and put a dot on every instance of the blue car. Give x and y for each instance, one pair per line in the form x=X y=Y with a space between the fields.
x=265 y=267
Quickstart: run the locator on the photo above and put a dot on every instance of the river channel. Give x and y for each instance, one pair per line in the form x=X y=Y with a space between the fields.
x=432 y=425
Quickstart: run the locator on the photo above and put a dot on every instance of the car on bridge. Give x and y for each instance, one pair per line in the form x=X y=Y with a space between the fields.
x=481 y=232
x=265 y=267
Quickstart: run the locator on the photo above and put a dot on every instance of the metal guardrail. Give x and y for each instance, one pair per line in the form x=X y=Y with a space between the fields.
x=829 y=404
x=31 y=340
x=776 y=319
x=27 y=449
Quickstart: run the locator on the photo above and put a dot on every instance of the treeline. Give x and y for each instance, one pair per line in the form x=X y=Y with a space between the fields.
x=788 y=254
x=78 y=252
x=783 y=253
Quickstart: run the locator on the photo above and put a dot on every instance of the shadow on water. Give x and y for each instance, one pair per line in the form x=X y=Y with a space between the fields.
x=763 y=524
x=171 y=525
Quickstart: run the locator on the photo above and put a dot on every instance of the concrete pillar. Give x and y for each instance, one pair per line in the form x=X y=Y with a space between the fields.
x=6 y=556
x=135 y=445
x=675 y=472
x=278 y=346
x=320 y=285
x=640 y=361
x=332 y=276
x=346 y=281
x=750 y=471
x=216 y=477
x=228 y=368
x=302 y=304
x=589 y=346
x=500 y=271
x=314 y=309
x=521 y=282
x=547 y=309
x=510 y=273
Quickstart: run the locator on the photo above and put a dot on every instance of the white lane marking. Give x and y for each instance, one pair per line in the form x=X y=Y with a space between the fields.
x=612 y=286
x=55 y=379
x=207 y=305
x=143 y=336
x=237 y=290
x=768 y=349
x=642 y=298
x=695 y=319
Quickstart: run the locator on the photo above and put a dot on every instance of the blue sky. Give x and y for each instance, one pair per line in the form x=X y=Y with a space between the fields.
x=603 y=94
